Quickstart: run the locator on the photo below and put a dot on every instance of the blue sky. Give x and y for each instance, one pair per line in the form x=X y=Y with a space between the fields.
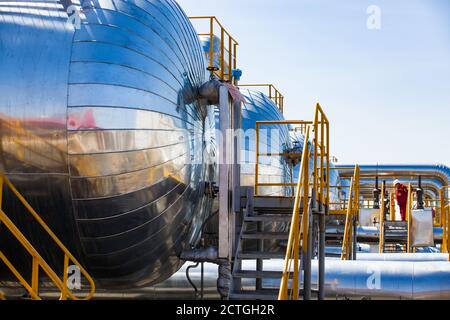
x=387 y=92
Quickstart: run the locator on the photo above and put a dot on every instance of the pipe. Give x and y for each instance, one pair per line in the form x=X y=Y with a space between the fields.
x=188 y=269
x=439 y=172
x=321 y=257
x=366 y=233
x=359 y=279
x=412 y=257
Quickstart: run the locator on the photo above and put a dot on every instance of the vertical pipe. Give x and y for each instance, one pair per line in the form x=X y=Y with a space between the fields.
x=224 y=174
x=308 y=258
x=257 y=161
x=322 y=245
x=408 y=218
x=392 y=206
x=211 y=43
x=259 y=262
x=202 y=280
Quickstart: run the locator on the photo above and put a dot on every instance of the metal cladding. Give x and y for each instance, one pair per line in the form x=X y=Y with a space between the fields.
x=103 y=134
x=439 y=173
x=272 y=139
x=384 y=277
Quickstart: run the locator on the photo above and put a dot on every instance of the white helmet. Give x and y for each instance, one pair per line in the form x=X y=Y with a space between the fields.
x=396 y=182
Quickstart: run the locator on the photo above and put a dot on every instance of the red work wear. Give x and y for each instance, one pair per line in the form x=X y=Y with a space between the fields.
x=401 y=194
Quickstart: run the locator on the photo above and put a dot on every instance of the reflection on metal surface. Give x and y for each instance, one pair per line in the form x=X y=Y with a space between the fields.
x=102 y=131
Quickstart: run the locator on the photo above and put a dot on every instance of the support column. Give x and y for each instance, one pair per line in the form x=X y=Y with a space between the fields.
x=321 y=257
x=224 y=175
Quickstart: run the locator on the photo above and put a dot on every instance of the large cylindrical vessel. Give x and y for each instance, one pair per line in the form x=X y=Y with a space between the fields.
x=102 y=132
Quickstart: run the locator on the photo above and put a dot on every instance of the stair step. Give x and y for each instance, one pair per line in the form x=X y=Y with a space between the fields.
x=261 y=255
x=270 y=295
x=265 y=235
x=269 y=218
x=251 y=274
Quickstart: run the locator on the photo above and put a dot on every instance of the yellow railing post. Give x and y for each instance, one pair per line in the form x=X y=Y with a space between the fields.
x=352 y=207
x=443 y=219
x=38 y=262
x=408 y=217
x=392 y=206
x=382 y=217
x=294 y=232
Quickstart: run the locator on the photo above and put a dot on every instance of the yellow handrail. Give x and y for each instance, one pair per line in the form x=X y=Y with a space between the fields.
x=38 y=262
x=296 y=229
x=444 y=219
x=298 y=233
x=409 y=205
x=382 y=217
x=352 y=208
x=228 y=45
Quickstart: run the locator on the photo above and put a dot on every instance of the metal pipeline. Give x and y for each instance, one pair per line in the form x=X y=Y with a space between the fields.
x=370 y=233
x=412 y=257
x=439 y=172
x=356 y=279
x=434 y=177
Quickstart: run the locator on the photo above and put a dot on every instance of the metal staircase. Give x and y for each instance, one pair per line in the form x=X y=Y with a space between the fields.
x=282 y=227
x=264 y=231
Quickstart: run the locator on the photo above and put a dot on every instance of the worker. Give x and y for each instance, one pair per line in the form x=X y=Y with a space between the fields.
x=401 y=195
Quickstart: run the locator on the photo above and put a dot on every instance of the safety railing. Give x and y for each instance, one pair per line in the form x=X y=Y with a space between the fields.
x=273 y=93
x=352 y=211
x=320 y=154
x=38 y=262
x=310 y=182
x=298 y=232
x=267 y=153
x=222 y=50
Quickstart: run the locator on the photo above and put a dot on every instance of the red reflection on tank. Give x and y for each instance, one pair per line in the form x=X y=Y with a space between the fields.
x=82 y=120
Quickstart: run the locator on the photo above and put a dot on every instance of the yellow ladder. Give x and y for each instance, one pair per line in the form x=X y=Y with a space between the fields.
x=38 y=262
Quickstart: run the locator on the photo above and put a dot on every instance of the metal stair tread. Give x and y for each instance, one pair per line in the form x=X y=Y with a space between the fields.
x=269 y=218
x=265 y=235
x=254 y=295
x=253 y=255
x=249 y=274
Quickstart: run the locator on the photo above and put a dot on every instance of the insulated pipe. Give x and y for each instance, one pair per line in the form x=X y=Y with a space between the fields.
x=438 y=171
x=412 y=257
x=322 y=243
x=355 y=279
x=372 y=232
